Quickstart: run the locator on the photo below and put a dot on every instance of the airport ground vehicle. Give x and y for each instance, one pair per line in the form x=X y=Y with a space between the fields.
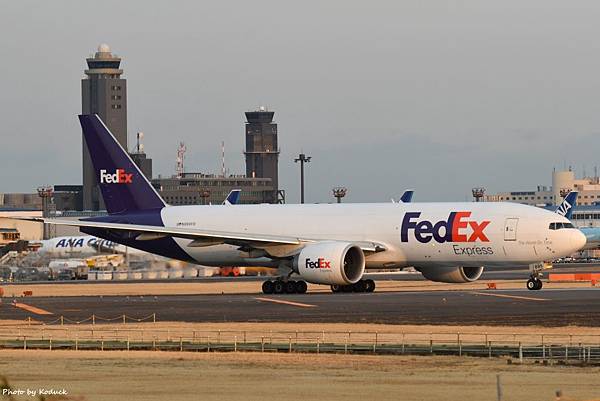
x=232 y=271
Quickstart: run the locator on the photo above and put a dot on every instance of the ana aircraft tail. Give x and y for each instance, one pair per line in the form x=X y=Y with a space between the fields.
x=233 y=198
x=123 y=186
x=566 y=207
x=407 y=196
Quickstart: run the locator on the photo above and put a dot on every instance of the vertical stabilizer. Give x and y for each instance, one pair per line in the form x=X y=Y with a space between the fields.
x=123 y=186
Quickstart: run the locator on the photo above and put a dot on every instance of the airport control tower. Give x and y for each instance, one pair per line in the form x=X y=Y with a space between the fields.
x=262 y=152
x=103 y=92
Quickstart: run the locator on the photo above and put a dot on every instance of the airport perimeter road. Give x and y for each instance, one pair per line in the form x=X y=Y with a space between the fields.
x=553 y=307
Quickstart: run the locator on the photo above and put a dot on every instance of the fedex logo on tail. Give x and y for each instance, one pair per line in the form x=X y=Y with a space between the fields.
x=120 y=176
x=456 y=229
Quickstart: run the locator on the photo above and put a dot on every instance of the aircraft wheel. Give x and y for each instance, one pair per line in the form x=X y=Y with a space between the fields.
x=301 y=287
x=279 y=287
x=268 y=287
x=370 y=285
x=336 y=288
x=532 y=284
x=291 y=287
x=540 y=284
x=360 y=286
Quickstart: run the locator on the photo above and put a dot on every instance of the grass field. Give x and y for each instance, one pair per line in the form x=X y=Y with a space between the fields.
x=243 y=376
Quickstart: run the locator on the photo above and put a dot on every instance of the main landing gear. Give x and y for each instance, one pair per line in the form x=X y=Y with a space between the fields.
x=284 y=287
x=360 y=286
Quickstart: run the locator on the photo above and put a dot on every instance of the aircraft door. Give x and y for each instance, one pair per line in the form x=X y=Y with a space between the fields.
x=510 y=229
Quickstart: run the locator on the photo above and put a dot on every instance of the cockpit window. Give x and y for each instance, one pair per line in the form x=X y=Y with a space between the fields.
x=558 y=226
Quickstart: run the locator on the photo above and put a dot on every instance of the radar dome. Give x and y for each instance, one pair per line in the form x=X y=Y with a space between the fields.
x=104 y=48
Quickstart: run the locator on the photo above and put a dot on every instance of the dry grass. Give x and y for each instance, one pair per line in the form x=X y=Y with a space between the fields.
x=241 y=287
x=307 y=332
x=241 y=376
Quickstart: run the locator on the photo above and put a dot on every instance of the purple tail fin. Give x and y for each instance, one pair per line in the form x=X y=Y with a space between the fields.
x=124 y=187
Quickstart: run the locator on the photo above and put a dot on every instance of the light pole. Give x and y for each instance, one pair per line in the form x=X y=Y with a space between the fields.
x=339 y=193
x=46 y=193
x=302 y=158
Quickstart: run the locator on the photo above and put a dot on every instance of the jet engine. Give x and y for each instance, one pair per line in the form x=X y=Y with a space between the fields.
x=330 y=262
x=454 y=274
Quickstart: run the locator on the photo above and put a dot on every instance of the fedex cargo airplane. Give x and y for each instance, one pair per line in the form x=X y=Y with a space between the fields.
x=331 y=244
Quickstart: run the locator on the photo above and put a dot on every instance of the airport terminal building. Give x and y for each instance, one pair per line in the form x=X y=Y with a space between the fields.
x=205 y=189
x=587 y=211
x=562 y=183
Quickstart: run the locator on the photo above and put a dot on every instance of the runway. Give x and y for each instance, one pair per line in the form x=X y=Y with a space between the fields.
x=551 y=307
x=516 y=273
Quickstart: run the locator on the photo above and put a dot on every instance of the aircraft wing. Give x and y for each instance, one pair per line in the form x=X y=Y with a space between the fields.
x=208 y=237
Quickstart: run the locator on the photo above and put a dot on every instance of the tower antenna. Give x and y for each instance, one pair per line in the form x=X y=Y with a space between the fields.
x=223 y=158
x=180 y=167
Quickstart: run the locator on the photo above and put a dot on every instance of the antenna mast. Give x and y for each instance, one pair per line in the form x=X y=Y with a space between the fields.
x=139 y=147
x=223 y=158
x=179 y=169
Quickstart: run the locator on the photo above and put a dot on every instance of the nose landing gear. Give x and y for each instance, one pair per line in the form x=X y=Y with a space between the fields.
x=535 y=278
x=534 y=283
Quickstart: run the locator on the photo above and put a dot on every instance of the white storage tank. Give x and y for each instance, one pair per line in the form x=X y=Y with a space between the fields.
x=103 y=276
x=190 y=272
x=562 y=180
x=119 y=275
x=175 y=273
x=134 y=275
x=149 y=274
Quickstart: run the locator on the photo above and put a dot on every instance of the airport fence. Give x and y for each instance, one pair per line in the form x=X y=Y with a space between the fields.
x=518 y=347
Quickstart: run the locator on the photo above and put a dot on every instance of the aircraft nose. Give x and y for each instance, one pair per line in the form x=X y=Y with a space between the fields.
x=578 y=240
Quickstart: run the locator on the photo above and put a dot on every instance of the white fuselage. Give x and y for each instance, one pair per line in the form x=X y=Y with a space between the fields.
x=78 y=246
x=483 y=234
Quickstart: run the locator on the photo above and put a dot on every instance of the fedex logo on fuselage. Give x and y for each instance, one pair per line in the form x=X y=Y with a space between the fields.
x=320 y=263
x=120 y=176
x=456 y=229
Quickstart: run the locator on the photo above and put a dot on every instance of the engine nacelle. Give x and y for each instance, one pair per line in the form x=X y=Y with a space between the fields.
x=330 y=262
x=454 y=274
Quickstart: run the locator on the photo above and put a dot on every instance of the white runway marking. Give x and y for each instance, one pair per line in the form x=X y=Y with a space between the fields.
x=511 y=296
x=280 y=301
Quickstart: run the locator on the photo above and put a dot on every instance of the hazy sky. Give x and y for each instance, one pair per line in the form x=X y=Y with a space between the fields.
x=439 y=96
